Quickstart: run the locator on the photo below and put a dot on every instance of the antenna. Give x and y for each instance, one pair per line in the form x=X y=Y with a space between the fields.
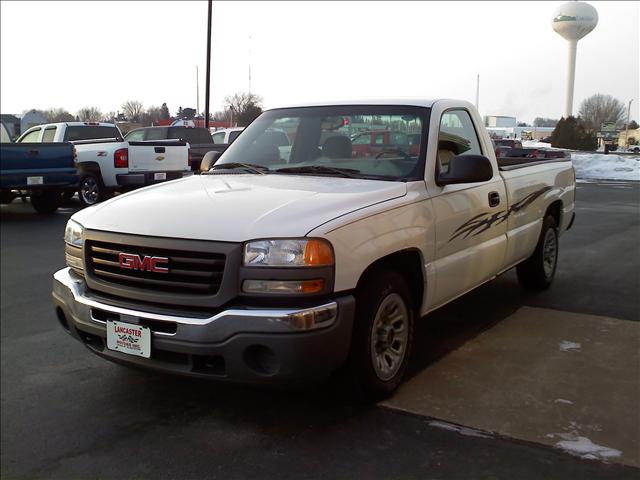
x=249 y=64
x=197 y=92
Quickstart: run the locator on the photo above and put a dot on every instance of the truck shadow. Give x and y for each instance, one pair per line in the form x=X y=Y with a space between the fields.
x=22 y=211
x=322 y=405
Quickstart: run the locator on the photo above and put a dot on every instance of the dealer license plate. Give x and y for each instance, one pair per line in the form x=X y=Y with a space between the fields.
x=160 y=176
x=129 y=338
x=35 y=180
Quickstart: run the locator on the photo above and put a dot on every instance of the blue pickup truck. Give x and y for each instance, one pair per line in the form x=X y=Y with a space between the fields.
x=39 y=170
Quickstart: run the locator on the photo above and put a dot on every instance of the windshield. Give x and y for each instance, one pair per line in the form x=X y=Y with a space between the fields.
x=372 y=142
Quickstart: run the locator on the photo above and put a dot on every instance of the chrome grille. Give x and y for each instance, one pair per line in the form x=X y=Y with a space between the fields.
x=198 y=273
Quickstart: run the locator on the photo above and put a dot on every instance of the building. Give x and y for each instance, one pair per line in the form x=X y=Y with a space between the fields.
x=634 y=137
x=12 y=123
x=31 y=118
x=499 y=121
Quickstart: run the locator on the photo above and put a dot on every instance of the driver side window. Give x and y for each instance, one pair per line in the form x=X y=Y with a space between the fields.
x=457 y=136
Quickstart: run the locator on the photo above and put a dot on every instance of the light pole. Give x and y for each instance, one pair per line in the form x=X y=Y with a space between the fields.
x=208 y=81
x=626 y=130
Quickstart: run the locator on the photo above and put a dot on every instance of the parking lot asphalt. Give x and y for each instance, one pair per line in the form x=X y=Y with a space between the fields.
x=68 y=414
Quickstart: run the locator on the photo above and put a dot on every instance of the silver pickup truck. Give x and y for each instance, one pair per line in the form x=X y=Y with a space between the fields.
x=280 y=265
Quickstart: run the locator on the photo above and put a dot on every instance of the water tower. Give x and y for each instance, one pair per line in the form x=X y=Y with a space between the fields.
x=573 y=21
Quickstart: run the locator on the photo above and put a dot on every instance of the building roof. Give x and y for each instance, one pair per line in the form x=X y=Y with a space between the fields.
x=9 y=118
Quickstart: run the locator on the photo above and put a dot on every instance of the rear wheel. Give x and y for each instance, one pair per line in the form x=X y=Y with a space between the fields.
x=537 y=272
x=382 y=334
x=91 y=189
x=46 y=202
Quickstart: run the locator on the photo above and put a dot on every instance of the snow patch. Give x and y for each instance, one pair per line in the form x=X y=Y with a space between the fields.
x=469 y=432
x=536 y=144
x=585 y=448
x=562 y=400
x=567 y=346
x=596 y=166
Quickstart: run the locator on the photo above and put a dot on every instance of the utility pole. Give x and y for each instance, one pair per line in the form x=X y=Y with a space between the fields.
x=197 y=92
x=249 y=64
x=478 y=94
x=208 y=81
x=626 y=131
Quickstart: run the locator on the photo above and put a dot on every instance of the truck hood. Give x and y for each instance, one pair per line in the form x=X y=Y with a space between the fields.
x=236 y=208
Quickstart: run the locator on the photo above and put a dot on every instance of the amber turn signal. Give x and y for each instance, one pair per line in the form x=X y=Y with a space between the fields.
x=318 y=253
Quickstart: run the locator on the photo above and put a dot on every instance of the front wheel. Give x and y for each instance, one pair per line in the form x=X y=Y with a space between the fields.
x=537 y=272
x=382 y=335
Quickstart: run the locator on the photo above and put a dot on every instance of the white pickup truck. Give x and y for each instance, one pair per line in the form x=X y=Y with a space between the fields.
x=273 y=267
x=107 y=163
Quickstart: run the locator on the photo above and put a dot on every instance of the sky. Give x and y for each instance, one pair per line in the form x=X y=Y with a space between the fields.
x=78 y=54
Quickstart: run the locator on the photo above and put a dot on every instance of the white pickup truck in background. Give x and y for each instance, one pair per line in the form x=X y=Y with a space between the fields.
x=277 y=265
x=107 y=163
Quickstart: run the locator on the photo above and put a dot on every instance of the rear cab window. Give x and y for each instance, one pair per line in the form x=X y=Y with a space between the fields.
x=90 y=132
x=194 y=136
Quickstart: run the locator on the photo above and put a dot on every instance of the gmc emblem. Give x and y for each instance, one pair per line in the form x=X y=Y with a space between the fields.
x=131 y=261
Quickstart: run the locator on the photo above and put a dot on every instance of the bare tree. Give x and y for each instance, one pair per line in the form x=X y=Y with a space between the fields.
x=245 y=107
x=55 y=115
x=151 y=116
x=132 y=110
x=600 y=108
x=545 y=122
x=110 y=117
x=89 y=114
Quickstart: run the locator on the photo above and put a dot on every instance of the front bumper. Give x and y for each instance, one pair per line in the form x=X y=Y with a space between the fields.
x=239 y=345
x=147 y=178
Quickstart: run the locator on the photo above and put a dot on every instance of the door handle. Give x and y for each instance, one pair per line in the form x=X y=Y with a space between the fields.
x=33 y=152
x=159 y=149
x=494 y=199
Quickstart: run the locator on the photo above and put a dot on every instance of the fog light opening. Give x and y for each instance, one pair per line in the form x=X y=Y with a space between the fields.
x=62 y=318
x=261 y=360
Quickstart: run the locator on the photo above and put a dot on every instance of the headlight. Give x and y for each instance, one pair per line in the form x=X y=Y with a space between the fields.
x=74 y=234
x=288 y=253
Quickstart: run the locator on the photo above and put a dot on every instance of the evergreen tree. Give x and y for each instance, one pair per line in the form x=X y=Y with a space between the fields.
x=570 y=133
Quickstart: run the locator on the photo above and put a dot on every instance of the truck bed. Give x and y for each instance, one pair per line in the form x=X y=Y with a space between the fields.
x=513 y=163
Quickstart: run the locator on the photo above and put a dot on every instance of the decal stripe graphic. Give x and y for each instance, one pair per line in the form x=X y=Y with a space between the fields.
x=484 y=221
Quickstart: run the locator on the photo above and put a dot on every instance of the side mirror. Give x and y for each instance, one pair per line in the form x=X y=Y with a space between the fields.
x=467 y=169
x=209 y=160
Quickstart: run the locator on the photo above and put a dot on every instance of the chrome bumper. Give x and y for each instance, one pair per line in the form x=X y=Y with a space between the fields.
x=316 y=337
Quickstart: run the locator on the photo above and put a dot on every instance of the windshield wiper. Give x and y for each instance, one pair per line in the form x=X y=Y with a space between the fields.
x=253 y=168
x=345 y=172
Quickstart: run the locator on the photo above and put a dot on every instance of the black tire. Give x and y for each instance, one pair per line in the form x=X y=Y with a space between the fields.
x=46 y=202
x=91 y=189
x=537 y=272
x=6 y=197
x=372 y=299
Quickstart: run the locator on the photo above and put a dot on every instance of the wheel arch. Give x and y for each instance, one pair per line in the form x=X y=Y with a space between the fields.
x=555 y=210
x=408 y=263
x=89 y=167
